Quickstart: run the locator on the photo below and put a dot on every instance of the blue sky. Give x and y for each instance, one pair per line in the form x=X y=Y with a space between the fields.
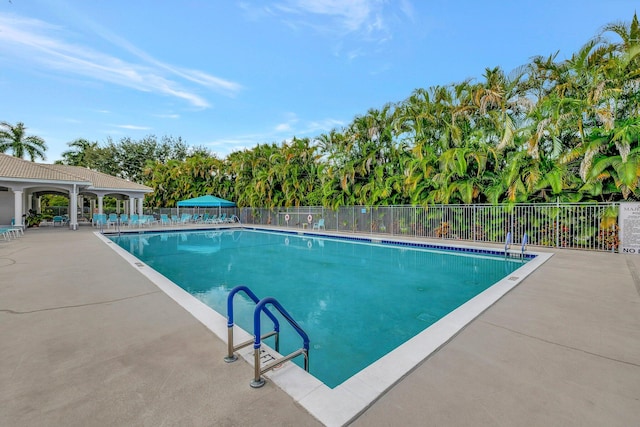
x=231 y=74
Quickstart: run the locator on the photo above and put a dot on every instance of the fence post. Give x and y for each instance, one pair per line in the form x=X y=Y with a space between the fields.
x=473 y=225
x=415 y=221
x=557 y=222
x=512 y=224
x=393 y=208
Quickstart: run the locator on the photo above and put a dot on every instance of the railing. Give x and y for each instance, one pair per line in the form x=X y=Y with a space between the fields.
x=231 y=349
x=590 y=226
x=258 y=337
x=258 y=381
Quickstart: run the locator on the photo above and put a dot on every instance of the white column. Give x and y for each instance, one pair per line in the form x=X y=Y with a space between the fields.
x=118 y=206
x=140 y=201
x=81 y=204
x=39 y=205
x=17 y=208
x=100 y=200
x=29 y=202
x=132 y=206
x=92 y=207
x=73 y=208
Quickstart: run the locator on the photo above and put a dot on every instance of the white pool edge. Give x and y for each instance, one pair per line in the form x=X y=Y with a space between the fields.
x=338 y=406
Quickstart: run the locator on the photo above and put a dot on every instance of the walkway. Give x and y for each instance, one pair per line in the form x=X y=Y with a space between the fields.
x=86 y=340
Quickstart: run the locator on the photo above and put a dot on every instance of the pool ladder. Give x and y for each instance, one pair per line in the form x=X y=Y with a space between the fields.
x=261 y=304
x=507 y=244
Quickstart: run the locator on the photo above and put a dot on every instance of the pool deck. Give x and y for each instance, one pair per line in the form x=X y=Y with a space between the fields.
x=85 y=340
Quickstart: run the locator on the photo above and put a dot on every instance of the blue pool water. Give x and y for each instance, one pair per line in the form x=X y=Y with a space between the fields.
x=356 y=301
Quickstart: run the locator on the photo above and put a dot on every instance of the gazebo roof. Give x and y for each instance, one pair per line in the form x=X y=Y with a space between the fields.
x=206 y=201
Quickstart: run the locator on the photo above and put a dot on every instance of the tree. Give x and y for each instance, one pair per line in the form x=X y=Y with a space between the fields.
x=548 y=130
x=14 y=138
x=83 y=153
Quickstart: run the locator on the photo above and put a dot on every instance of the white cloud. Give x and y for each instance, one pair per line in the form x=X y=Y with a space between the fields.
x=38 y=42
x=283 y=127
x=133 y=127
x=280 y=133
x=407 y=8
x=354 y=16
x=168 y=116
x=326 y=125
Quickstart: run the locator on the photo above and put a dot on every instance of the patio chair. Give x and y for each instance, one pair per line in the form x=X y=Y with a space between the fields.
x=112 y=220
x=148 y=220
x=175 y=219
x=318 y=225
x=164 y=219
x=17 y=229
x=58 y=220
x=134 y=220
x=8 y=233
x=124 y=219
x=99 y=220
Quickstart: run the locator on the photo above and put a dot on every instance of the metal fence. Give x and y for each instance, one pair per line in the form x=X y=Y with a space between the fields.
x=560 y=225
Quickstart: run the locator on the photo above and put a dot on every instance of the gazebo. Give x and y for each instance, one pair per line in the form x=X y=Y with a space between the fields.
x=206 y=202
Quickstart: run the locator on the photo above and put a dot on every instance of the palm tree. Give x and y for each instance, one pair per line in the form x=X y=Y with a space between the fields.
x=14 y=138
x=82 y=153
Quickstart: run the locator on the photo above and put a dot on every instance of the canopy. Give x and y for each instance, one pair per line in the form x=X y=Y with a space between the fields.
x=205 y=202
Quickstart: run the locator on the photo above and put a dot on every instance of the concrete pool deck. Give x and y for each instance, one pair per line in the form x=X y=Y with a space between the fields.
x=87 y=340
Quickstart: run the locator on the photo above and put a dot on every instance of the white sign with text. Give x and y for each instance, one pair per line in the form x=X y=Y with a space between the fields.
x=629 y=224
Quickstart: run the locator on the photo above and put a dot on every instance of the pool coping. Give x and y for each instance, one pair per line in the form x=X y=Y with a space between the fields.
x=344 y=403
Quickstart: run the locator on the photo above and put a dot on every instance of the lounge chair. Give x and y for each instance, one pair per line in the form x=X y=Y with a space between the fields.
x=99 y=220
x=124 y=219
x=175 y=219
x=8 y=233
x=318 y=225
x=112 y=220
x=134 y=220
x=164 y=219
x=58 y=220
x=148 y=220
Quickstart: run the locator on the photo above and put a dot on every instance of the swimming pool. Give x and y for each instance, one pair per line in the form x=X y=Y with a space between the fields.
x=342 y=404
x=356 y=299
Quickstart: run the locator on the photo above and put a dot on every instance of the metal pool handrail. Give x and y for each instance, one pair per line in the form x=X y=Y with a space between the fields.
x=231 y=357
x=507 y=242
x=258 y=381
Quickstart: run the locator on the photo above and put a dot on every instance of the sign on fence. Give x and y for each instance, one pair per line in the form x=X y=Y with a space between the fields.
x=629 y=224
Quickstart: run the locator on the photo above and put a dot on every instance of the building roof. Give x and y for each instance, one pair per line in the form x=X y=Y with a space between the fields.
x=101 y=180
x=16 y=169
